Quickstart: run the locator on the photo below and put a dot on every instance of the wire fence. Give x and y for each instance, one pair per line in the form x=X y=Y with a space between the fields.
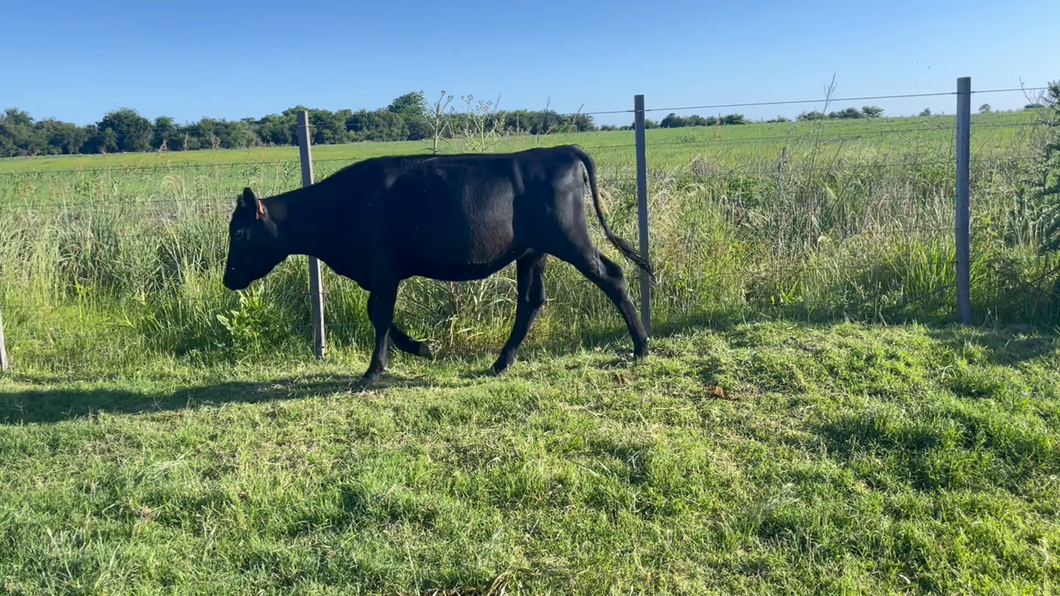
x=820 y=220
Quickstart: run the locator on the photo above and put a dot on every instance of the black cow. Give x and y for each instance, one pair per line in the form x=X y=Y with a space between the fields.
x=452 y=217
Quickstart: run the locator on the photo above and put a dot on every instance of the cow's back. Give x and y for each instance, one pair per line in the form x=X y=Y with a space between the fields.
x=452 y=216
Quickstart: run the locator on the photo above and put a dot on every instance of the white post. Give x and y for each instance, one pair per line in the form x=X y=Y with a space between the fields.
x=315 y=284
x=4 y=364
x=964 y=137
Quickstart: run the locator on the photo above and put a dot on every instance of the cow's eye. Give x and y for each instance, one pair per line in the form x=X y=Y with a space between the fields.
x=238 y=234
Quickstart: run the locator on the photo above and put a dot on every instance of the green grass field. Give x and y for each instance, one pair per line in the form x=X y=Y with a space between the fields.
x=834 y=459
x=810 y=421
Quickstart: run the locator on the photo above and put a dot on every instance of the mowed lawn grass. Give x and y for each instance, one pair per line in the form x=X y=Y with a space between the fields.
x=746 y=458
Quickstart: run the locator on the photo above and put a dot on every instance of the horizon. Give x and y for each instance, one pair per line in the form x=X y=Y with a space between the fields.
x=610 y=118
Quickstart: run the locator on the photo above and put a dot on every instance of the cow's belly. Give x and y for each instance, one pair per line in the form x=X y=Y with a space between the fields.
x=456 y=247
x=433 y=267
x=462 y=230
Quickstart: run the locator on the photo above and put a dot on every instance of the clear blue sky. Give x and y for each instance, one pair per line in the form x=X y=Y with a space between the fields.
x=76 y=60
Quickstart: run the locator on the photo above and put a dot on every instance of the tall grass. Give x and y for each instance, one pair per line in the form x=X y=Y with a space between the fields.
x=126 y=263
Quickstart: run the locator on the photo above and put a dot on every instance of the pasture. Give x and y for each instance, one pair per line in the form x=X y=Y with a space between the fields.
x=808 y=422
x=838 y=458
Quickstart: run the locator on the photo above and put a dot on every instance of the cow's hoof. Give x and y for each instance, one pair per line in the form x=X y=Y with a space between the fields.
x=498 y=369
x=366 y=383
x=424 y=351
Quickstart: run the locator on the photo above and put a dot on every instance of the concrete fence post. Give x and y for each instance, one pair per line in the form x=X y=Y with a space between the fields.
x=963 y=232
x=642 y=209
x=316 y=288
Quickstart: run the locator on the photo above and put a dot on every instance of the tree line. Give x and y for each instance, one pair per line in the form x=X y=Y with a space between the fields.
x=408 y=118
x=850 y=113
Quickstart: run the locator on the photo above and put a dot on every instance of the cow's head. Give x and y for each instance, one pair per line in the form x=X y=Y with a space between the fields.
x=253 y=244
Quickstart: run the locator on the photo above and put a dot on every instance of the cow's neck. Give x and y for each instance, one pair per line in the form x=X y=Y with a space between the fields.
x=303 y=221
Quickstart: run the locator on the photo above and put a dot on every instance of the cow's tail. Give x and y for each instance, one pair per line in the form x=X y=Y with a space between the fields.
x=620 y=244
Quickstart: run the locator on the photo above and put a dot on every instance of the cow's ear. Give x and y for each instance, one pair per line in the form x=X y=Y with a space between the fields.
x=248 y=201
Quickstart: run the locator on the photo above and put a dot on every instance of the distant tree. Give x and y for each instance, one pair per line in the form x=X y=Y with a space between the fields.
x=328 y=128
x=166 y=134
x=409 y=106
x=45 y=138
x=255 y=131
x=847 y=114
x=419 y=129
x=93 y=139
x=7 y=145
x=649 y=123
x=108 y=141
x=277 y=129
x=61 y=137
x=131 y=131
x=1034 y=106
x=672 y=120
x=580 y=123
x=810 y=116
x=926 y=112
x=235 y=134
x=777 y=120
x=16 y=117
x=872 y=111
x=17 y=134
x=205 y=133
x=377 y=125
x=985 y=109
x=731 y=119
x=545 y=122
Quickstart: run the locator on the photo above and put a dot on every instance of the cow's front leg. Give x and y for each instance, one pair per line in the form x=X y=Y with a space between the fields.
x=382 y=301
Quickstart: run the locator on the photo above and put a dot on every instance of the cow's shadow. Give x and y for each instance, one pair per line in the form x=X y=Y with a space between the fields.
x=615 y=337
x=50 y=405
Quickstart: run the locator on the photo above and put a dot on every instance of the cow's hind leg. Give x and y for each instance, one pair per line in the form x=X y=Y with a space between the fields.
x=608 y=276
x=530 y=271
x=408 y=345
x=403 y=342
x=381 y=301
